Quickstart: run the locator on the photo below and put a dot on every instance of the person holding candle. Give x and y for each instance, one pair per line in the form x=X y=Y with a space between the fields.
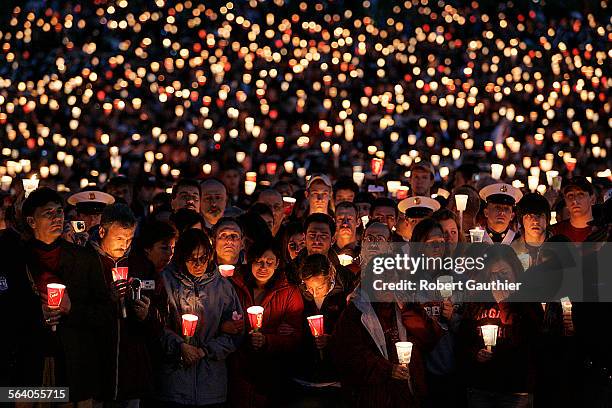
x=316 y=379
x=363 y=349
x=500 y=200
x=451 y=228
x=260 y=368
x=122 y=343
x=385 y=210
x=194 y=373
x=503 y=375
x=84 y=307
x=472 y=208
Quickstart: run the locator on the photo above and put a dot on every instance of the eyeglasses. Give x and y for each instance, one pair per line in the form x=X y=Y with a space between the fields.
x=201 y=260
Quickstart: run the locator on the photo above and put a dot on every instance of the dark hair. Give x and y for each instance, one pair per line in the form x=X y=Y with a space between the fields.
x=314 y=265
x=532 y=203
x=467 y=170
x=444 y=214
x=345 y=183
x=254 y=252
x=153 y=231
x=347 y=204
x=185 y=183
x=290 y=230
x=261 y=209
x=224 y=221
x=423 y=228
x=188 y=242
x=39 y=198
x=322 y=218
x=364 y=197
x=495 y=253
x=186 y=218
x=118 y=181
x=383 y=202
x=117 y=213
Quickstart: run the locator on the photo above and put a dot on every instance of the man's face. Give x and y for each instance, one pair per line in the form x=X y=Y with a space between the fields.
x=318 y=197
x=47 y=222
x=578 y=202
x=318 y=238
x=116 y=240
x=231 y=179
x=121 y=191
x=375 y=240
x=421 y=182
x=187 y=197
x=275 y=201
x=228 y=241
x=214 y=199
x=344 y=195
x=346 y=222
x=498 y=216
x=386 y=215
x=534 y=224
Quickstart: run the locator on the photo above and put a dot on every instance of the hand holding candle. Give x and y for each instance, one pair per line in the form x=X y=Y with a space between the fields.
x=120 y=286
x=489 y=335
x=318 y=331
x=55 y=294
x=568 y=322
x=226 y=270
x=189 y=324
x=255 y=317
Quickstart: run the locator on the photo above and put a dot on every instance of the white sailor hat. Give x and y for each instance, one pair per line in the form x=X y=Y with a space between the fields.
x=91 y=202
x=418 y=206
x=501 y=193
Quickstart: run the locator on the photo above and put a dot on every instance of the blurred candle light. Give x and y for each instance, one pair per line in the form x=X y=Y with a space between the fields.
x=358 y=177
x=532 y=182
x=496 y=170
x=249 y=187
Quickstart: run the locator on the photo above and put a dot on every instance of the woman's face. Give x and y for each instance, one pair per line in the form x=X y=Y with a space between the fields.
x=318 y=286
x=296 y=243
x=197 y=263
x=160 y=253
x=451 y=233
x=435 y=243
x=501 y=270
x=263 y=267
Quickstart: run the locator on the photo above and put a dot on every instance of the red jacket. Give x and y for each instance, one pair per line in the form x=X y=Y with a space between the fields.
x=366 y=373
x=256 y=377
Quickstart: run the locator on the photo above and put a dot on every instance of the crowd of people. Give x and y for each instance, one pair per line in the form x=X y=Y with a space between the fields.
x=192 y=194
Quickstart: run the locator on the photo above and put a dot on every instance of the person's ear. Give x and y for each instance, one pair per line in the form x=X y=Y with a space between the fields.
x=593 y=199
x=485 y=211
x=101 y=232
x=31 y=222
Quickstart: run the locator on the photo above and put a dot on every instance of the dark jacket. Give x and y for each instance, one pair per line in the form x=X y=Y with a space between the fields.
x=512 y=368
x=256 y=377
x=122 y=343
x=77 y=332
x=365 y=358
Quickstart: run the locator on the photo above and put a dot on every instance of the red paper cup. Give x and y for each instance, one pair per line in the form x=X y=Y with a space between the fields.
x=255 y=316
x=316 y=325
x=120 y=273
x=377 y=166
x=402 y=192
x=55 y=293
x=190 y=321
x=226 y=270
x=288 y=203
x=271 y=168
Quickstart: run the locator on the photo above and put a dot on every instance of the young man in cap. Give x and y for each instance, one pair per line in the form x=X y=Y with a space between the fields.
x=533 y=213
x=500 y=199
x=421 y=179
x=318 y=193
x=414 y=210
x=579 y=198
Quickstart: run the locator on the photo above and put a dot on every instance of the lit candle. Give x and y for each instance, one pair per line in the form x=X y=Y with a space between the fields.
x=496 y=170
x=489 y=335
x=345 y=260
x=255 y=317
x=404 y=352
x=226 y=270
x=461 y=201
x=249 y=187
x=30 y=185
x=55 y=294
x=190 y=322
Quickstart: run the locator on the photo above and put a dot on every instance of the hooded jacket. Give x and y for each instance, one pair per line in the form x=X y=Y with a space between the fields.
x=213 y=299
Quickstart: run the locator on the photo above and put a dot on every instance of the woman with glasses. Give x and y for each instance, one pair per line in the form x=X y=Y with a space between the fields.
x=259 y=371
x=316 y=380
x=194 y=372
